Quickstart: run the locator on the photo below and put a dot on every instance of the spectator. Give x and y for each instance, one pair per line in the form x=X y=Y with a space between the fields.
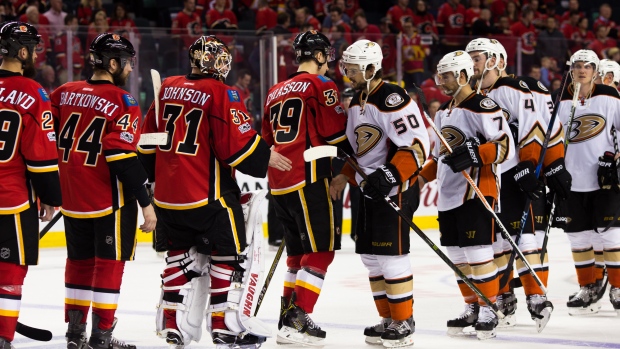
x=244 y=79
x=61 y=46
x=538 y=20
x=546 y=75
x=399 y=13
x=187 y=25
x=524 y=29
x=573 y=6
x=42 y=20
x=388 y=49
x=498 y=8
x=99 y=26
x=47 y=78
x=414 y=54
x=339 y=40
x=472 y=14
x=605 y=19
x=266 y=17
x=33 y=17
x=451 y=25
x=327 y=21
x=86 y=11
x=512 y=12
x=552 y=43
x=121 y=23
x=7 y=11
x=219 y=17
x=284 y=22
x=335 y=13
x=535 y=72
x=56 y=16
x=556 y=84
x=550 y=12
x=602 y=42
x=433 y=106
x=482 y=25
x=582 y=37
x=364 y=30
x=304 y=17
x=508 y=41
x=424 y=20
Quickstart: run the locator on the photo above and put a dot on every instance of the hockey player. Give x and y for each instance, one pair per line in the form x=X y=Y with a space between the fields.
x=28 y=166
x=466 y=121
x=528 y=127
x=302 y=112
x=609 y=72
x=594 y=200
x=390 y=144
x=198 y=201
x=101 y=178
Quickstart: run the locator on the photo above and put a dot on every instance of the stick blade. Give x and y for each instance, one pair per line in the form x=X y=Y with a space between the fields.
x=33 y=333
x=322 y=151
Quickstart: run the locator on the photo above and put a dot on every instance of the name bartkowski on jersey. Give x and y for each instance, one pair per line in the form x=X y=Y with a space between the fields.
x=86 y=100
x=186 y=94
x=15 y=97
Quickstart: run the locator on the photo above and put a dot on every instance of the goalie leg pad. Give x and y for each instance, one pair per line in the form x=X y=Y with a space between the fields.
x=184 y=295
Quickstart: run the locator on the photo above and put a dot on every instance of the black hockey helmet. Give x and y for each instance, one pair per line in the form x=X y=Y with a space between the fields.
x=109 y=46
x=211 y=56
x=307 y=43
x=15 y=35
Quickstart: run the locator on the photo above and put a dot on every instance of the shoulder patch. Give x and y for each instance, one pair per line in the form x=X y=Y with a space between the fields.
x=393 y=100
x=523 y=84
x=324 y=78
x=129 y=100
x=488 y=103
x=233 y=96
x=542 y=87
x=44 y=95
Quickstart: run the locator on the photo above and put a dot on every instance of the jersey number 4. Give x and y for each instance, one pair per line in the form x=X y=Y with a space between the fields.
x=88 y=142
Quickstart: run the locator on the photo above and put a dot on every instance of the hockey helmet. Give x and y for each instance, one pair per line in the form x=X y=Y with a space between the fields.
x=609 y=66
x=109 y=46
x=455 y=62
x=587 y=56
x=15 y=35
x=307 y=43
x=362 y=53
x=490 y=47
x=211 y=56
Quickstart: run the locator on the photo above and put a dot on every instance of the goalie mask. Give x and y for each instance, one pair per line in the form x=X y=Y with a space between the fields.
x=211 y=56
x=609 y=66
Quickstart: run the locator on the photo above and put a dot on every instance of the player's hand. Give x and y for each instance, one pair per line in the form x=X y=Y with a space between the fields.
x=607 y=172
x=464 y=156
x=558 y=178
x=150 y=219
x=337 y=186
x=381 y=182
x=525 y=176
x=46 y=213
x=279 y=161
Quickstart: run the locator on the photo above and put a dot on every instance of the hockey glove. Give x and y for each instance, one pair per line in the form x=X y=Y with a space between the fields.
x=558 y=178
x=561 y=214
x=464 y=156
x=525 y=176
x=608 y=172
x=381 y=182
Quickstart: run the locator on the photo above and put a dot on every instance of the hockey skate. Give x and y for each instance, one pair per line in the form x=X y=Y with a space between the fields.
x=614 y=298
x=399 y=334
x=507 y=304
x=175 y=339
x=487 y=322
x=469 y=317
x=298 y=327
x=230 y=341
x=584 y=302
x=76 y=333
x=102 y=339
x=4 y=344
x=373 y=333
x=540 y=309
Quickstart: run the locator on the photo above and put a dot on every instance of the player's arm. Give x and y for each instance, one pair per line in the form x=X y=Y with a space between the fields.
x=119 y=149
x=499 y=145
x=38 y=147
x=331 y=119
x=266 y=128
x=146 y=153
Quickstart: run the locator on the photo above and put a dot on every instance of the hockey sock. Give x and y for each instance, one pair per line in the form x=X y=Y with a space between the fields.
x=468 y=295
x=599 y=265
x=174 y=276
x=529 y=284
x=293 y=264
x=310 y=278
x=221 y=275
x=79 y=286
x=485 y=277
x=544 y=274
x=400 y=297
x=107 y=280
x=612 y=258
x=501 y=260
x=11 y=281
x=584 y=264
x=377 y=286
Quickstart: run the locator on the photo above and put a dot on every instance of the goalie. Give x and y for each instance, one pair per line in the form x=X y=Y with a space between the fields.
x=198 y=202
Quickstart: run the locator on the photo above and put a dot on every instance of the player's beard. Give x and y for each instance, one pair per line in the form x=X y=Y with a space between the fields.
x=29 y=70
x=121 y=79
x=360 y=86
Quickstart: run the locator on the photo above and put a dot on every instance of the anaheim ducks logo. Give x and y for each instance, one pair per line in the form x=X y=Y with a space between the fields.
x=453 y=136
x=586 y=127
x=506 y=114
x=368 y=136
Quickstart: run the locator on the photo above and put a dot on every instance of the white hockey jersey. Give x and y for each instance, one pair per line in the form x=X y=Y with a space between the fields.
x=476 y=116
x=521 y=110
x=389 y=128
x=591 y=133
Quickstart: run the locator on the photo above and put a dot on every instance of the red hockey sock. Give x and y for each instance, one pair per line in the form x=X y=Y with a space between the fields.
x=310 y=278
x=78 y=286
x=11 y=281
x=106 y=289
x=293 y=264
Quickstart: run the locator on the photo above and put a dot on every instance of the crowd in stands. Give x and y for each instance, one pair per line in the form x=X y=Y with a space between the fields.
x=539 y=35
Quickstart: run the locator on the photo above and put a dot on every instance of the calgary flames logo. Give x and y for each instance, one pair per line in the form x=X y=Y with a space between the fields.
x=23 y=28
x=586 y=127
x=367 y=137
x=116 y=37
x=453 y=136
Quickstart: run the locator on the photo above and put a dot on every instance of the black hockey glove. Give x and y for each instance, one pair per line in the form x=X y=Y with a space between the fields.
x=525 y=176
x=464 y=156
x=558 y=178
x=608 y=172
x=381 y=182
x=561 y=213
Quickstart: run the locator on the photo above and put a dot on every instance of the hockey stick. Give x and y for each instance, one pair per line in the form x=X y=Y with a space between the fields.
x=329 y=150
x=615 y=136
x=272 y=270
x=156 y=89
x=49 y=225
x=33 y=333
x=528 y=201
x=569 y=130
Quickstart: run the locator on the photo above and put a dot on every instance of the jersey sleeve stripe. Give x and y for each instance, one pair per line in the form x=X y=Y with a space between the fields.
x=182 y=206
x=41 y=169
x=15 y=209
x=244 y=153
x=495 y=151
x=115 y=157
x=147 y=149
x=92 y=214
x=336 y=138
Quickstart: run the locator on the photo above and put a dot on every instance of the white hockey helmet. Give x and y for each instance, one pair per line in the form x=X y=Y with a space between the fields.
x=609 y=66
x=501 y=51
x=488 y=46
x=455 y=62
x=363 y=53
x=587 y=56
